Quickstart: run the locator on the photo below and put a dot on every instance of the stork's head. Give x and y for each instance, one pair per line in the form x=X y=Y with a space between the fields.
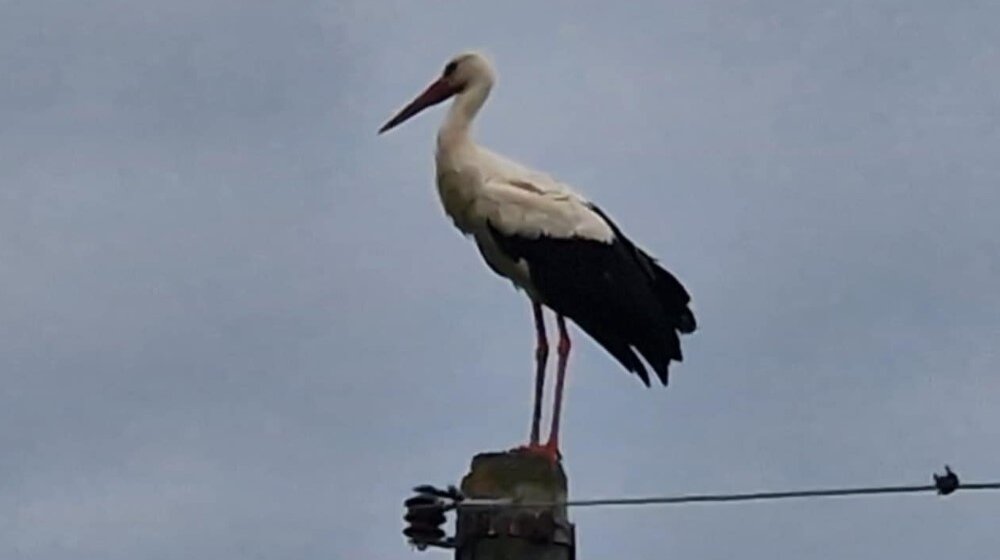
x=466 y=72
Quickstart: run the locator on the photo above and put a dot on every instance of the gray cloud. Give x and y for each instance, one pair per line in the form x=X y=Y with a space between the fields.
x=237 y=324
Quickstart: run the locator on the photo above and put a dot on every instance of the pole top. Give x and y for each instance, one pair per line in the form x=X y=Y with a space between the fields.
x=520 y=477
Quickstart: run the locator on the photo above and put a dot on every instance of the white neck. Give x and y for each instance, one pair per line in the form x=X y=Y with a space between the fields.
x=456 y=128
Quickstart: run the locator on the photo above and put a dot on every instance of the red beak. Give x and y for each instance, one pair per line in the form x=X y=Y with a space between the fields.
x=434 y=94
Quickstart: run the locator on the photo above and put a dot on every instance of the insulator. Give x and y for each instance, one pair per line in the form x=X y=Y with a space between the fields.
x=425 y=516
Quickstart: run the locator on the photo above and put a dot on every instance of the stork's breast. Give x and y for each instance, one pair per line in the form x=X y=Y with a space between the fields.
x=457 y=197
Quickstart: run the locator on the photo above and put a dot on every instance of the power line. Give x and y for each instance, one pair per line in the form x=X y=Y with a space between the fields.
x=710 y=498
x=943 y=485
x=425 y=512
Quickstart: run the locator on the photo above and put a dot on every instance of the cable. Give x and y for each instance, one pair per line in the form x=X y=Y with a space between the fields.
x=703 y=498
x=426 y=511
x=943 y=485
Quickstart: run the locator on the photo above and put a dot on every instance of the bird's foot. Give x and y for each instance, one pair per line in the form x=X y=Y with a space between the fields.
x=549 y=451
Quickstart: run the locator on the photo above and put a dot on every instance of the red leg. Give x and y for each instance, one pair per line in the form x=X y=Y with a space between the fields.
x=564 y=345
x=541 y=357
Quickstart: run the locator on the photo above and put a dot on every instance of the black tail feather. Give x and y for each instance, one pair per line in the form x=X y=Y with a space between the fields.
x=673 y=297
x=618 y=347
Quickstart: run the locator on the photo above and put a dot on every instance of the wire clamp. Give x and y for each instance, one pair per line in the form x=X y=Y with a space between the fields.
x=946 y=483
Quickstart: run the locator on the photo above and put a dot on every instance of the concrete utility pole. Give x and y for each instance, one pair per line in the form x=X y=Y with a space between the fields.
x=515 y=533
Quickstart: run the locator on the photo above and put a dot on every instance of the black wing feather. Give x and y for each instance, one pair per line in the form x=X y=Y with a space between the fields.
x=614 y=291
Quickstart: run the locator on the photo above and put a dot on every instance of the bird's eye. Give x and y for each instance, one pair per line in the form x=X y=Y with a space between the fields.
x=450 y=68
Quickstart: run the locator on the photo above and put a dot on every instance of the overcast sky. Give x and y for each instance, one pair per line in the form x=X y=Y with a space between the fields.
x=235 y=323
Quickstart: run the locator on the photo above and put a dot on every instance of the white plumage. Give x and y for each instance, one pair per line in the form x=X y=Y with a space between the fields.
x=480 y=188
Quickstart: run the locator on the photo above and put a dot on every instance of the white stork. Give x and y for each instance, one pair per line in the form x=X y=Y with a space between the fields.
x=561 y=249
